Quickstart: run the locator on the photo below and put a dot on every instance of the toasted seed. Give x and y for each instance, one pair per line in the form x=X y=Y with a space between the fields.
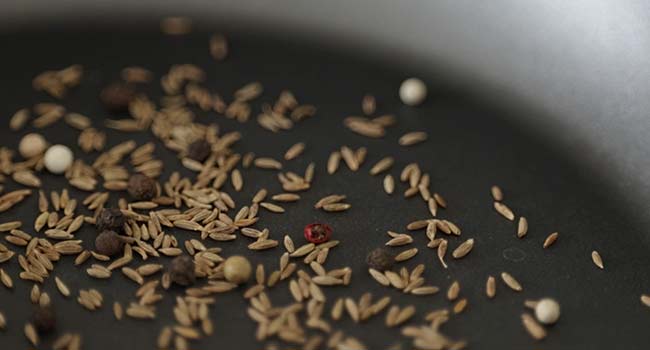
x=389 y=184
x=522 y=227
x=463 y=249
x=497 y=194
x=19 y=119
x=442 y=249
x=532 y=327
x=400 y=240
x=407 y=254
x=331 y=199
x=30 y=333
x=288 y=244
x=237 y=180
x=267 y=163
x=118 y=311
x=350 y=158
x=490 y=287
x=303 y=250
x=382 y=165
x=404 y=315
x=352 y=309
x=504 y=211
x=550 y=239
x=511 y=282
x=294 y=151
x=453 y=291
x=6 y=279
x=65 y=291
x=336 y=207
x=645 y=299
x=333 y=162
x=425 y=290
x=598 y=261
x=272 y=207
x=379 y=277
x=412 y=138
x=460 y=306
x=3 y=321
x=286 y=197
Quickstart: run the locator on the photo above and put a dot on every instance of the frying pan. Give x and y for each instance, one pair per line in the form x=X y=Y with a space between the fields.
x=548 y=99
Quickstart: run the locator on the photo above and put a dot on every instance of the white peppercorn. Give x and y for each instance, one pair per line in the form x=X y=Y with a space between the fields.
x=413 y=91
x=58 y=159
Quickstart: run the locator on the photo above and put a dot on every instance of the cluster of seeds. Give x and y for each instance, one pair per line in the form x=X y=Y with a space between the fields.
x=137 y=232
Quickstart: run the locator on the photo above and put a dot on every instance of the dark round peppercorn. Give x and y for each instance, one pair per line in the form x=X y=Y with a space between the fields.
x=181 y=271
x=199 y=150
x=108 y=243
x=380 y=259
x=116 y=97
x=141 y=187
x=110 y=219
x=44 y=319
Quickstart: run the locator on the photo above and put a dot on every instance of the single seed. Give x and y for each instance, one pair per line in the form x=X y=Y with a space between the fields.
x=490 y=287
x=532 y=327
x=405 y=255
x=463 y=249
x=181 y=271
x=645 y=299
x=141 y=187
x=294 y=151
x=550 y=239
x=380 y=259
x=65 y=291
x=412 y=91
x=108 y=243
x=58 y=159
x=453 y=291
x=32 y=145
x=522 y=227
x=44 y=319
x=598 y=261
x=497 y=194
x=389 y=184
x=504 y=211
x=412 y=138
x=511 y=282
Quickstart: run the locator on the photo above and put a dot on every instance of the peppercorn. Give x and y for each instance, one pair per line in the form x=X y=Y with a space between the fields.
x=181 y=271
x=44 y=319
x=117 y=97
x=141 y=187
x=237 y=269
x=380 y=259
x=108 y=243
x=318 y=233
x=199 y=150
x=110 y=219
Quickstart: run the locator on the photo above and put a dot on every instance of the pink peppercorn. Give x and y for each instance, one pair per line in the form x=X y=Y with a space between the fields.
x=318 y=233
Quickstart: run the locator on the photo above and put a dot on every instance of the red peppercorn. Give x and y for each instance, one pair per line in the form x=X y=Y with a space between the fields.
x=318 y=233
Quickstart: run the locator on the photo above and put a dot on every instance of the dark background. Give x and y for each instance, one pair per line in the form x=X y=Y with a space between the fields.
x=474 y=143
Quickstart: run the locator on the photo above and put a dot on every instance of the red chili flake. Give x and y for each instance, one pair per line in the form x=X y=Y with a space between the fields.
x=318 y=233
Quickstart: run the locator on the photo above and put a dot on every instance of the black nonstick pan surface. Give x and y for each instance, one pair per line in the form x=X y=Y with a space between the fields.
x=475 y=141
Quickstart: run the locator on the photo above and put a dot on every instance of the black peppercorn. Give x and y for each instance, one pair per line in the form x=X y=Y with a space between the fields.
x=108 y=243
x=141 y=187
x=110 y=219
x=116 y=97
x=182 y=271
x=380 y=259
x=199 y=150
x=44 y=319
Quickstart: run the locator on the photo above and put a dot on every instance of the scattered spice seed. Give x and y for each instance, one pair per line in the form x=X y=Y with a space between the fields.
x=63 y=289
x=463 y=249
x=511 y=282
x=199 y=150
x=110 y=219
x=497 y=194
x=382 y=165
x=550 y=239
x=44 y=319
x=504 y=211
x=368 y=104
x=490 y=287
x=645 y=299
x=460 y=306
x=522 y=227
x=412 y=92
x=598 y=261
x=294 y=151
x=141 y=187
x=405 y=255
x=453 y=291
x=412 y=138
x=218 y=47
x=30 y=333
x=333 y=162
x=117 y=97
x=118 y=311
x=533 y=328
x=389 y=184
